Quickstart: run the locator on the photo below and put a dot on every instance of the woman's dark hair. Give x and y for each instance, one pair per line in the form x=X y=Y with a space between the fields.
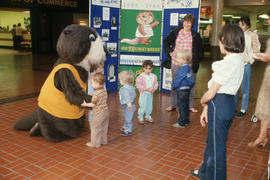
x=147 y=63
x=233 y=39
x=246 y=20
x=191 y=18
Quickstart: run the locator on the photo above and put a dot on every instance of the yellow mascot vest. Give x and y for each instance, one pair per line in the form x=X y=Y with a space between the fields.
x=54 y=102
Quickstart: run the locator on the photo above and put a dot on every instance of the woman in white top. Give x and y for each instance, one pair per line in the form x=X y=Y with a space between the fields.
x=218 y=102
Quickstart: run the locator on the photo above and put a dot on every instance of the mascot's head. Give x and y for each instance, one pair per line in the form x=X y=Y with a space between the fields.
x=81 y=45
x=145 y=17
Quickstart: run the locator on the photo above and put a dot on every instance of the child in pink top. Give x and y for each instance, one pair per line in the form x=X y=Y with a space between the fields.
x=147 y=84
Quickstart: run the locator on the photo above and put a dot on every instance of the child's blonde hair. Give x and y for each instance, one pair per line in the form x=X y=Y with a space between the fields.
x=126 y=77
x=99 y=78
x=184 y=54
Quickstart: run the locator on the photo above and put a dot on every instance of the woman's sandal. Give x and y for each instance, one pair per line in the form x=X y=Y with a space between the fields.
x=259 y=142
x=193 y=110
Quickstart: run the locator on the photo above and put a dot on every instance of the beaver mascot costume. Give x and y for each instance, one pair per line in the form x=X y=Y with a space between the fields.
x=59 y=115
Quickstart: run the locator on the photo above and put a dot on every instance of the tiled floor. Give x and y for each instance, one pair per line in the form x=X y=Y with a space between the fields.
x=155 y=151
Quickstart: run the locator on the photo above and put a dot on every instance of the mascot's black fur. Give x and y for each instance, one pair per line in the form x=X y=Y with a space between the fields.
x=79 y=46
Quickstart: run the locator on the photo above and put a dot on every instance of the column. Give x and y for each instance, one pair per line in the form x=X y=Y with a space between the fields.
x=217 y=26
x=253 y=18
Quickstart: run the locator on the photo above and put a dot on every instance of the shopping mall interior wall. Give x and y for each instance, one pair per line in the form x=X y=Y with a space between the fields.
x=8 y=18
x=46 y=27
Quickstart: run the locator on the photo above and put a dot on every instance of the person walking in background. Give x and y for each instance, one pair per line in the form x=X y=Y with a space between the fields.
x=187 y=39
x=147 y=84
x=252 y=46
x=218 y=103
x=13 y=32
x=19 y=36
x=183 y=82
x=127 y=95
x=100 y=122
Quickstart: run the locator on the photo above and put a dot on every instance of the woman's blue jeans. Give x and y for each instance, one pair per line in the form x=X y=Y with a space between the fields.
x=221 y=111
x=245 y=88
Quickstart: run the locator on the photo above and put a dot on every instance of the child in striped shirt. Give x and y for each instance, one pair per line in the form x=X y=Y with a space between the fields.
x=100 y=122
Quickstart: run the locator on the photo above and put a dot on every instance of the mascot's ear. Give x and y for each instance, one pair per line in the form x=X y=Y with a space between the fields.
x=74 y=42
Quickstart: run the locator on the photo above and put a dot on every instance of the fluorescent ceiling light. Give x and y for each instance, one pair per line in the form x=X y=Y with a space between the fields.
x=205 y=21
x=264 y=16
x=26 y=11
x=227 y=15
x=236 y=17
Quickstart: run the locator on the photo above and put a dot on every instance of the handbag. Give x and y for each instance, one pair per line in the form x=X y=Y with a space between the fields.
x=167 y=63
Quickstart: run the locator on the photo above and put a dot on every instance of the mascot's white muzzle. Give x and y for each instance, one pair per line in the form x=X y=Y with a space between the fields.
x=96 y=54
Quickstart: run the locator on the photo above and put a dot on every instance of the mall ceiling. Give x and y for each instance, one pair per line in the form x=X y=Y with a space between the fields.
x=236 y=7
x=241 y=7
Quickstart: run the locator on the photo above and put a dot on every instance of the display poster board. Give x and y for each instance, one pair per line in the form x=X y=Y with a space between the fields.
x=144 y=26
x=140 y=34
x=104 y=17
x=172 y=18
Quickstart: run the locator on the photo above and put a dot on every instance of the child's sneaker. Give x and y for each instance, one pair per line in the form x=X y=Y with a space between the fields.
x=150 y=119
x=240 y=114
x=141 y=121
x=126 y=133
x=178 y=125
x=122 y=129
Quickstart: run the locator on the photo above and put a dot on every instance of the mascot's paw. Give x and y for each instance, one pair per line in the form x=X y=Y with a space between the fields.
x=35 y=130
x=145 y=43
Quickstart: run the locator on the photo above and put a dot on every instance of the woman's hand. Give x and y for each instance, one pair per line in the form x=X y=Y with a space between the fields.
x=204 y=116
x=261 y=57
x=150 y=90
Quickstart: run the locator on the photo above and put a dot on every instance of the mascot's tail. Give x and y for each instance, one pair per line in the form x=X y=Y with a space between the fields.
x=26 y=122
x=130 y=41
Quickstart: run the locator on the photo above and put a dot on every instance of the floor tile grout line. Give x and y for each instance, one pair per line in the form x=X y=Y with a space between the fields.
x=18 y=98
x=246 y=135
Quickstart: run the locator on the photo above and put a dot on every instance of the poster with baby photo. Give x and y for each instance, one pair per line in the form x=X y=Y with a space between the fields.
x=112 y=49
x=167 y=79
x=114 y=23
x=173 y=4
x=97 y=22
x=105 y=34
x=140 y=31
x=142 y=4
x=108 y=3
